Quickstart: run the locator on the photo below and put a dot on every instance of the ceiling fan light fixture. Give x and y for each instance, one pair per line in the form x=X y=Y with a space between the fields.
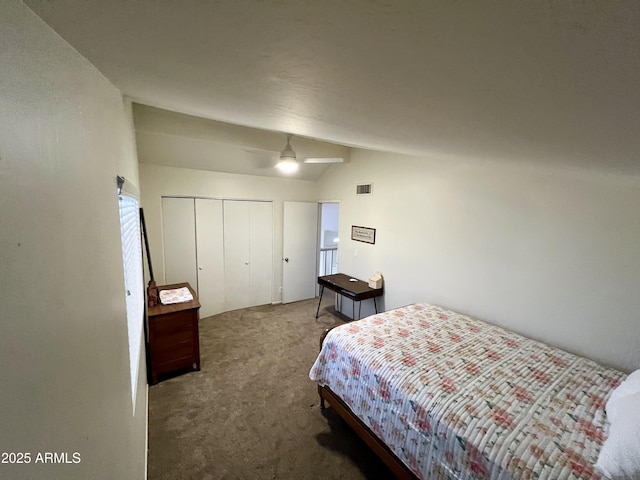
x=287 y=165
x=287 y=162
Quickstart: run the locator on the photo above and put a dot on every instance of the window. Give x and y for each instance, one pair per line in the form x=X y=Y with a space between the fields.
x=133 y=282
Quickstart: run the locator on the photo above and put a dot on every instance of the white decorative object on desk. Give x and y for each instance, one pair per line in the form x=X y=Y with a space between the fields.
x=376 y=280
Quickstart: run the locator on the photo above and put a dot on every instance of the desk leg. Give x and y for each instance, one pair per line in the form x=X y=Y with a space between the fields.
x=320 y=301
x=375 y=304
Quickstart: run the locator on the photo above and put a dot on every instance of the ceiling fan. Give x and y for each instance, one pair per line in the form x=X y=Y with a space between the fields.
x=288 y=162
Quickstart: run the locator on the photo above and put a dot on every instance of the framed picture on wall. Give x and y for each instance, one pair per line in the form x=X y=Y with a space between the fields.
x=363 y=234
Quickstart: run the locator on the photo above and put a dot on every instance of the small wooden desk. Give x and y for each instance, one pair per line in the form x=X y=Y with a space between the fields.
x=357 y=290
x=174 y=341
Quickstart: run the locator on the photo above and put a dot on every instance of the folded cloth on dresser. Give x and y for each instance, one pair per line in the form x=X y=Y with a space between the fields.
x=176 y=295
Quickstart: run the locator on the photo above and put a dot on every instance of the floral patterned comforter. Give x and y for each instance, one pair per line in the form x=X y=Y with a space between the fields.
x=456 y=398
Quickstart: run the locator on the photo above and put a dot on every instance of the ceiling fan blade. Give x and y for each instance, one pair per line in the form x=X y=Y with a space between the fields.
x=260 y=159
x=324 y=160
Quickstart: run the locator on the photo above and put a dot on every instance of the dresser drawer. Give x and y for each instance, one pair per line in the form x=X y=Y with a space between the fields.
x=163 y=343
x=171 y=323
x=175 y=360
x=168 y=357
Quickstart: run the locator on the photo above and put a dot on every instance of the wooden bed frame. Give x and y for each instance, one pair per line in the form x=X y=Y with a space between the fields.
x=397 y=467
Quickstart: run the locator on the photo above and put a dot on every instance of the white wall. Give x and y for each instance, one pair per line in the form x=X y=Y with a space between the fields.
x=65 y=133
x=548 y=253
x=157 y=181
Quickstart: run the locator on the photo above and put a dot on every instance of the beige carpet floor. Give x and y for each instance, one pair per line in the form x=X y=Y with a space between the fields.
x=252 y=412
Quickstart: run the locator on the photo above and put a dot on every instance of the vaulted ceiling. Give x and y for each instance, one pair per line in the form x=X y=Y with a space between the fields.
x=554 y=82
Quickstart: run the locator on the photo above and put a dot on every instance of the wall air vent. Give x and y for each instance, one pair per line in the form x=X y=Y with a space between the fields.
x=364 y=189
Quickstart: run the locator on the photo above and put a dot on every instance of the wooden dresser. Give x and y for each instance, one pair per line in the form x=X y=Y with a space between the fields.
x=174 y=341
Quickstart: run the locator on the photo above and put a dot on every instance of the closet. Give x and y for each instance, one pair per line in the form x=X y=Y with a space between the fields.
x=223 y=248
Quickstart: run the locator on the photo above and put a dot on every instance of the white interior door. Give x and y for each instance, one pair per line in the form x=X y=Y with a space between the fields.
x=178 y=229
x=300 y=237
x=210 y=256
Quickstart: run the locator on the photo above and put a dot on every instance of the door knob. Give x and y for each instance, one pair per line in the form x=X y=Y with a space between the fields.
x=286 y=259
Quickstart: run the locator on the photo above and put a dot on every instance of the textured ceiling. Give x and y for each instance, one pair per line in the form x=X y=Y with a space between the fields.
x=554 y=82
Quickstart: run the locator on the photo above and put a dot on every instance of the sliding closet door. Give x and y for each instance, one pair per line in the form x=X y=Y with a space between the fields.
x=248 y=253
x=223 y=248
x=261 y=252
x=210 y=257
x=178 y=229
x=236 y=254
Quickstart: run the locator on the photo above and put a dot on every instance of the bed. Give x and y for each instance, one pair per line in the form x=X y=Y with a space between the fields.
x=439 y=395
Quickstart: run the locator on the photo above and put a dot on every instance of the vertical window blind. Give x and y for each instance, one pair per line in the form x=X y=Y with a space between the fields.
x=133 y=282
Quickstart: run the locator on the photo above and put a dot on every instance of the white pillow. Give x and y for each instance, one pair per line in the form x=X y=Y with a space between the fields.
x=629 y=386
x=620 y=455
